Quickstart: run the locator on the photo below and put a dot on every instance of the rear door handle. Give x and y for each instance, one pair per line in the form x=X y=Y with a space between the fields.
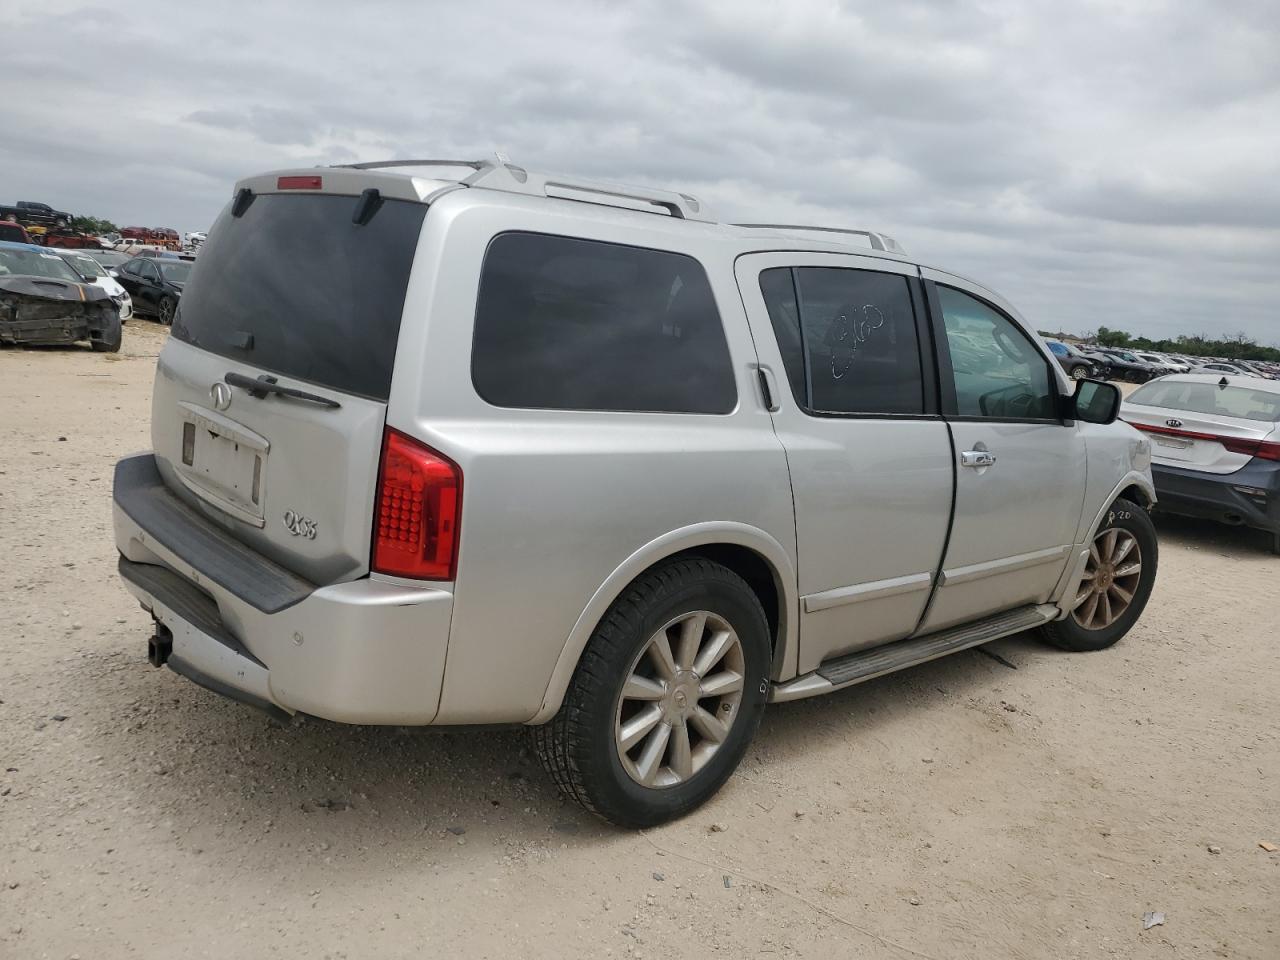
x=977 y=458
x=768 y=388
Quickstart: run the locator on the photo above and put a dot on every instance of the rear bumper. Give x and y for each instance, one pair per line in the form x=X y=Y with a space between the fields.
x=363 y=651
x=1215 y=496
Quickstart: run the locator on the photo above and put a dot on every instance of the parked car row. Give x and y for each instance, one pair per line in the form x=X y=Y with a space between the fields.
x=1139 y=366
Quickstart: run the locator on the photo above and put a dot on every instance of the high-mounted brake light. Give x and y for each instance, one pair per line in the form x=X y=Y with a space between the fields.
x=415 y=520
x=299 y=183
x=1264 y=449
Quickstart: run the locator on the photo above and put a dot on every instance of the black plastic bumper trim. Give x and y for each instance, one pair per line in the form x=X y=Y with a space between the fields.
x=212 y=552
x=186 y=600
x=197 y=676
x=1213 y=496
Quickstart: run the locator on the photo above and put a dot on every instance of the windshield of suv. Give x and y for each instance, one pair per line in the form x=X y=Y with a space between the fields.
x=28 y=263
x=175 y=270
x=1211 y=399
x=315 y=296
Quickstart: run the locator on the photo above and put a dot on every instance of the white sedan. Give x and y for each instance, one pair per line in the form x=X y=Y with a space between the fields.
x=93 y=272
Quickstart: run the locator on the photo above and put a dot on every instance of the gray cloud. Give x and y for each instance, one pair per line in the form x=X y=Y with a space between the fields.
x=1103 y=162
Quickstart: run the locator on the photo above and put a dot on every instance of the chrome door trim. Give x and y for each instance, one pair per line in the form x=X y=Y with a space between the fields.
x=992 y=568
x=872 y=590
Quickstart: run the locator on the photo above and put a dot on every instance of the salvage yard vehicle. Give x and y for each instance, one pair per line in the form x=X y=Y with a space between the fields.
x=1127 y=366
x=1074 y=363
x=91 y=271
x=12 y=232
x=44 y=301
x=155 y=284
x=1217 y=447
x=509 y=448
x=31 y=213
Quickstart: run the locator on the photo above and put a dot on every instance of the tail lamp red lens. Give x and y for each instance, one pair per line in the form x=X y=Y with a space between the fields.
x=1264 y=449
x=415 y=528
x=299 y=183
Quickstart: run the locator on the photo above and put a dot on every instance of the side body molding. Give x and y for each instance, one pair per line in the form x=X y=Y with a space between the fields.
x=669 y=544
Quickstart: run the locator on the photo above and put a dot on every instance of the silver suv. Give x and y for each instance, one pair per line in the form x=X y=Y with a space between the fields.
x=505 y=448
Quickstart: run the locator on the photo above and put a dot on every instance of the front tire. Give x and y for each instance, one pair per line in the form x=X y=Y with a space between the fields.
x=166 y=309
x=1119 y=575
x=666 y=698
x=111 y=339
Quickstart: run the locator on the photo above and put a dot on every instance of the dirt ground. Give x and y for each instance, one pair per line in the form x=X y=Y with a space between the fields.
x=960 y=810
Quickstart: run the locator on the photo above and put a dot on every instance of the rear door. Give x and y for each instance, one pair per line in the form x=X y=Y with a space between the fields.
x=1020 y=469
x=297 y=290
x=844 y=344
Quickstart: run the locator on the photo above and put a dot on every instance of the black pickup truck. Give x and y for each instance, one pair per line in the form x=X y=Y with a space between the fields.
x=30 y=213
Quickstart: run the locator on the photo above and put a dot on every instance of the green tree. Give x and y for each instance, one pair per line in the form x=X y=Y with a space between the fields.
x=1112 y=338
x=93 y=225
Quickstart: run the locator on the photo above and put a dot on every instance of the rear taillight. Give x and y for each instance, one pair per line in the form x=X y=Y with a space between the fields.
x=299 y=183
x=1264 y=449
x=415 y=524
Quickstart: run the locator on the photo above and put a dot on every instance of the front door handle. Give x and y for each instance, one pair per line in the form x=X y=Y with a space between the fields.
x=977 y=458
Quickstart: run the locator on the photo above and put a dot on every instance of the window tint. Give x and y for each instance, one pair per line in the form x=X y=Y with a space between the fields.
x=998 y=373
x=1210 y=399
x=572 y=324
x=293 y=286
x=848 y=339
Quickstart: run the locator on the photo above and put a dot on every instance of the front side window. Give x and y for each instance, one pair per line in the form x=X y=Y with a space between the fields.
x=998 y=374
x=848 y=339
x=570 y=324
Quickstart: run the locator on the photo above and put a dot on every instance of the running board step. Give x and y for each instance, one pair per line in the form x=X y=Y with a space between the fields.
x=869 y=664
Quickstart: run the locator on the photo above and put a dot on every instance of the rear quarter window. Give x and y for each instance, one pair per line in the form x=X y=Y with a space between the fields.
x=570 y=324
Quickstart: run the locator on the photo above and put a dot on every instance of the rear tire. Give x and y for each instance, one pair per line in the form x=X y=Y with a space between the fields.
x=592 y=748
x=1124 y=557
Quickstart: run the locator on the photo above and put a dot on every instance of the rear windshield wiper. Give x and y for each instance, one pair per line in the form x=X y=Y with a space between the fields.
x=264 y=384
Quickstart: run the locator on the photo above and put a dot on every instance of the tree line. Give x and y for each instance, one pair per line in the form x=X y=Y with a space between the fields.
x=1238 y=347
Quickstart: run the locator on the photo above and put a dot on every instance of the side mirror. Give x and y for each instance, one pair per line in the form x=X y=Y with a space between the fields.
x=1096 y=402
x=87 y=279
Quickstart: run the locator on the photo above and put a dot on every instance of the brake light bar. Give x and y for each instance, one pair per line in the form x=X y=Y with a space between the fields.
x=1263 y=449
x=299 y=183
x=415 y=518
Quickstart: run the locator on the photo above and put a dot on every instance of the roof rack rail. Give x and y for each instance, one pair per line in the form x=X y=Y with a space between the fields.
x=499 y=174
x=879 y=241
x=378 y=164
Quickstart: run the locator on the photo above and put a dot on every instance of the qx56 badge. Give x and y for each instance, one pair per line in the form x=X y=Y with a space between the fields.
x=299 y=525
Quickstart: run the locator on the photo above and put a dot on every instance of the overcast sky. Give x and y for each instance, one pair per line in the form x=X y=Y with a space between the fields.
x=1111 y=163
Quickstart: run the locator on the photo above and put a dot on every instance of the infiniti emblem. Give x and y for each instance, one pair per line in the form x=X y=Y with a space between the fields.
x=1173 y=423
x=220 y=394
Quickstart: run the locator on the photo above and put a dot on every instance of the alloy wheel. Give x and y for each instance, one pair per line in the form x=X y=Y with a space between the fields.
x=680 y=699
x=1111 y=577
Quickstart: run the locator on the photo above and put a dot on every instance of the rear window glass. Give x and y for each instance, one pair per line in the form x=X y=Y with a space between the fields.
x=570 y=324
x=1210 y=399
x=294 y=287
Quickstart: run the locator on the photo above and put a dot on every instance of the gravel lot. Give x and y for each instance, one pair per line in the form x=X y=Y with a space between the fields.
x=960 y=810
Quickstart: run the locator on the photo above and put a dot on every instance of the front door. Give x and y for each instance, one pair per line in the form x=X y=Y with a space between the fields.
x=1020 y=468
x=844 y=344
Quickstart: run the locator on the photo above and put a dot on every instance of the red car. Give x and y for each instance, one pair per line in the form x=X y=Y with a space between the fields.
x=13 y=232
